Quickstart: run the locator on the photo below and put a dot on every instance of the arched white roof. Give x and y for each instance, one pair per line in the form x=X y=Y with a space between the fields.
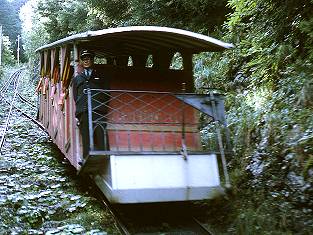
x=142 y=40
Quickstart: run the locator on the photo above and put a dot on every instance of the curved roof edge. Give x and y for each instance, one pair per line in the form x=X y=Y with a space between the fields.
x=179 y=33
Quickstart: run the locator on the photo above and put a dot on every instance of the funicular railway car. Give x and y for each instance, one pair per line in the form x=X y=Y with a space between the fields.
x=153 y=150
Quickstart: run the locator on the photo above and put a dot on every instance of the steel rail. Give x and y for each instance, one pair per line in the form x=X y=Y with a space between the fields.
x=202 y=227
x=26 y=101
x=9 y=80
x=15 y=80
x=189 y=224
x=26 y=115
x=121 y=226
x=104 y=201
x=2 y=97
x=5 y=86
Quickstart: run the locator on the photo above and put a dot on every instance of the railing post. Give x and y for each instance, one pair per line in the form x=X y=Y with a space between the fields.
x=90 y=124
x=220 y=141
x=184 y=147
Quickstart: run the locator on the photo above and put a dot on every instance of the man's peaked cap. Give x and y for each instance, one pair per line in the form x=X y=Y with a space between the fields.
x=87 y=53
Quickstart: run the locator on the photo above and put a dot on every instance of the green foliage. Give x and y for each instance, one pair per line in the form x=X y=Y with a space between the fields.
x=306 y=27
x=269 y=80
x=9 y=19
x=264 y=44
x=200 y=15
x=62 y=18
x=7 y=53
x=110 y=13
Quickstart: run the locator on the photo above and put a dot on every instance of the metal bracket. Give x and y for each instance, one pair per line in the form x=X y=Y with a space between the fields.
x=203 y=103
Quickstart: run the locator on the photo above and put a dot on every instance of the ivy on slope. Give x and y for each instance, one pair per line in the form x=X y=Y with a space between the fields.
x=40 y=193
x=269 y=80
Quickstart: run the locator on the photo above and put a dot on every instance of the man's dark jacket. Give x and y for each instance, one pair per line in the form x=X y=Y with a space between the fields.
x=94 y=81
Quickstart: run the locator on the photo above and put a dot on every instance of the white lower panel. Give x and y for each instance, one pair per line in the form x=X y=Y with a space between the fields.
x=164 y=171
x=159 y=178
x=157 y=194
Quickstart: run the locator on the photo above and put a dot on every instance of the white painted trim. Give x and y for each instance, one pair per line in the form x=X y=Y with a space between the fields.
x=180 y=33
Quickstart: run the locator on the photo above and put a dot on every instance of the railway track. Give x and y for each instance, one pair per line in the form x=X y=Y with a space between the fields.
x=164 y=218
x=173 y=218
x=8 y=96
x=12 y=83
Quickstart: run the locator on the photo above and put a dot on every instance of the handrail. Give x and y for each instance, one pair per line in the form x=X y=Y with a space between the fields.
x=146 y=115
x=156 y=123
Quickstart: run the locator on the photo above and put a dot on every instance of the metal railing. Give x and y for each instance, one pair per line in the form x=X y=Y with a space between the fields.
x=149 y=122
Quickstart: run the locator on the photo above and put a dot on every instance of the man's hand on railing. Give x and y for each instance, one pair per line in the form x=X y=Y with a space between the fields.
x=77 y=122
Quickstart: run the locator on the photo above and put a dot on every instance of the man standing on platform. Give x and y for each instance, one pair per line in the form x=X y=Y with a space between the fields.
x=89 y=78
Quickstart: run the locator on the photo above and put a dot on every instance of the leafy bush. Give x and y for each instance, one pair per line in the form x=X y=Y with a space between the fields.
x=7 y=56
x=268 y=77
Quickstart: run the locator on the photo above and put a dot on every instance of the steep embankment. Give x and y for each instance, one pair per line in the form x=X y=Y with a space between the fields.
x=269 y=81
x=39 y=194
